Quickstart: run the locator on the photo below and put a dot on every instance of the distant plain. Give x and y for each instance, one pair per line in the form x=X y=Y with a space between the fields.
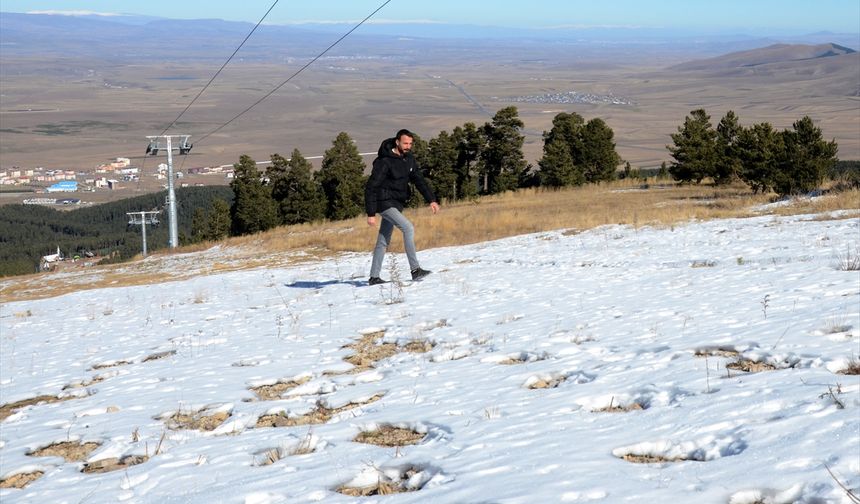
x=77 y=110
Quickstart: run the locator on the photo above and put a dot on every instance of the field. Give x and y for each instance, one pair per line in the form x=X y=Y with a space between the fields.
x=81 y=111
x=707 y=361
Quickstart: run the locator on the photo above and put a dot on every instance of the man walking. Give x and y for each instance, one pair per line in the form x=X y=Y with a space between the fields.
x=386 y=193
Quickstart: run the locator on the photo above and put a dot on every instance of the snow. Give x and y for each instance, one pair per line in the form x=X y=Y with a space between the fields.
x=528 y=337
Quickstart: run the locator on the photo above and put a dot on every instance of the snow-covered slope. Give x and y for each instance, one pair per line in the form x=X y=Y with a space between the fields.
x=528 y=338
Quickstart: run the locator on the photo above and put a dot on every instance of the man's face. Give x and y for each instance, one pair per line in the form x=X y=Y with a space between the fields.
x=404 y=144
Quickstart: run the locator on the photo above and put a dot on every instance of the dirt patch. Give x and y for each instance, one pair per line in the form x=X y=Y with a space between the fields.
x=388 y=435
x=320 y=415
x=196 y=421
x=159 y=355
x=520 y=359
x=749 y=366
x=113 y=464
x=20 y=480
x=7 y=409
x=71 y=451
x=275 y=391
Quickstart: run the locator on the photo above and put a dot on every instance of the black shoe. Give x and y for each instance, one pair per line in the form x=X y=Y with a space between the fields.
x=375 y=281
x=418 y=273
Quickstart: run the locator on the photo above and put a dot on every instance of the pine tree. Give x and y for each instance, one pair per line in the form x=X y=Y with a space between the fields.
x=805 y=159
x=301 y=197
x=218 y=226
x=727 y=166
x=441 y=165
x=556 y=165
x=694 y=148
x=198 y=225
x=598 y=156
x=469 y=143
x=342 y=179
x=253 y=208
x=757 y=150
x=502 y=160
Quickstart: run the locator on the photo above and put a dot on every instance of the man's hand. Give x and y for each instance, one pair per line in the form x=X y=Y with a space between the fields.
x=434 y=207
x=371 y=220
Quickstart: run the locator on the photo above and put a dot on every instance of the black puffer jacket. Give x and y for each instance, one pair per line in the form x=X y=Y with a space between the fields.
x=388 y=185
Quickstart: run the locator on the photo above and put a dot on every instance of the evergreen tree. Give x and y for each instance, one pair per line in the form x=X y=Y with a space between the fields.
x=469 y=144
x=342 y=179
x=198 y=225
x=757 y=150
x=218 y=226
x=598 y=157
x=302 y=198
x=663 y=173
x=441 y=165
x=253 y=208
x=694 y=148
x=556 y=165
x=502 y=160
x=728 y=163
x=805 y=159
x=567 y=128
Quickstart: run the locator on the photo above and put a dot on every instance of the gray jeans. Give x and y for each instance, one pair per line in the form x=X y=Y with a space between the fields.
x=390 y=218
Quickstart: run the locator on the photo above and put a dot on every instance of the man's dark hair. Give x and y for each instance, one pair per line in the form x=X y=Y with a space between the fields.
x=402 y=133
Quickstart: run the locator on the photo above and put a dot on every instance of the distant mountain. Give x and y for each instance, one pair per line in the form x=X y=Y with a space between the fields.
x=777 y=53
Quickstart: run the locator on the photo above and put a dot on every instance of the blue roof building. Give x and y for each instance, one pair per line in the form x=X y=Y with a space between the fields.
x=63 y=186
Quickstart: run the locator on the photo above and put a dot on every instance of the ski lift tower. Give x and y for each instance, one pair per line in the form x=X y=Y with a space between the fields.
x=165 y=143
x=142 y=219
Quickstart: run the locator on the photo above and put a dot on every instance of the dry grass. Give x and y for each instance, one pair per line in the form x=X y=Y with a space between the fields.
x=749 y=366
x=620 y=408
x=367 y=352
x=546 y=384
x=716 y=352
x=159 y=355
x=492 y=217
x=388 y=435
x=84 y=383
x=853 y=368
x=112 y=364
x=71 y=451
x=320 y=415
x=7 y=409
x=417 y=346
x=380 y=488
x=275 y=391
x=383 y=485
x=183 y=421
x=651 y=459
x=20 y=480
x=113 y=464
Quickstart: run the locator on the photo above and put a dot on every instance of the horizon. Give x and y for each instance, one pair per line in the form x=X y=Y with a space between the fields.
x=706 y=18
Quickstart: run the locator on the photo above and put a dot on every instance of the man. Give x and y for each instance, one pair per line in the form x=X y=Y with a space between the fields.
x=386 y=193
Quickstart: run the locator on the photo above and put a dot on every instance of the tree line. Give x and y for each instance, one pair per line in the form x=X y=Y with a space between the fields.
x=464 y=163
x=469 y=161
x=27 y=232
x=788 y=162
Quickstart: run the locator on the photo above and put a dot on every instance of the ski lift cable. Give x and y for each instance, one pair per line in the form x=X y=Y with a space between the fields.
x=300 y=70
x=220 y=69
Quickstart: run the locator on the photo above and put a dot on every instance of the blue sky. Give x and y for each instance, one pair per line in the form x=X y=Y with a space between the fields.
x=749 y=16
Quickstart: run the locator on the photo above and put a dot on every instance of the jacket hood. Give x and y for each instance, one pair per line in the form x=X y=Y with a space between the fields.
x=385 y=149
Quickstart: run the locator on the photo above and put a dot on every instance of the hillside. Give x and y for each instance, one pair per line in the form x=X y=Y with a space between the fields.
x=697 y=363
x=773 y=54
